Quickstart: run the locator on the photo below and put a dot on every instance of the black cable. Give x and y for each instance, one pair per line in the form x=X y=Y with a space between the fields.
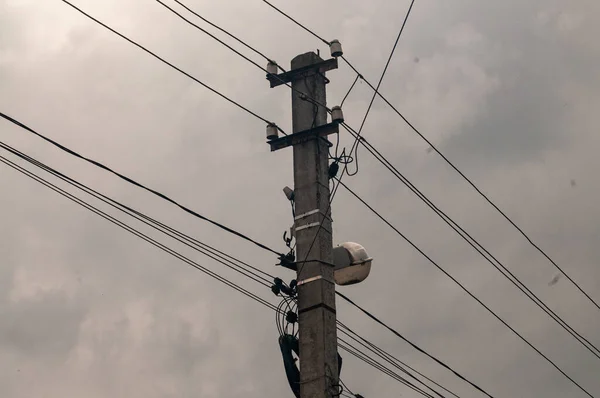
x=133 y=182
x=169 y=64
x=344 y=345
x=208 y=33
x=136 y=233
x=392 y=360
x=460 y=285
x=296 y=22
x=348 y=93
x=346 y=387
x=478 y=247
x=416 y=347
x=309 y=98
x=472 y=184
x=387 y=64
x=395 y=365
x=230 y=261
x=228 y=34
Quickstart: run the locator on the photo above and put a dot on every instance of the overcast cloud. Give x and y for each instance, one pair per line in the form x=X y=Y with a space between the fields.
x=508 y=90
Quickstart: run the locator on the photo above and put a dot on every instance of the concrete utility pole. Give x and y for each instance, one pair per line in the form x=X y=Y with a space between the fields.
x=316 y=286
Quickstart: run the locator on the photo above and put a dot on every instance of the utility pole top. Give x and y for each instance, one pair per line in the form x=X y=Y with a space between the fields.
x=305 y=66
x=307 y=59
x=302 y=65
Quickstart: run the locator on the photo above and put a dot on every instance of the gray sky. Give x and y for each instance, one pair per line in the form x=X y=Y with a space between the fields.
x=508 y=90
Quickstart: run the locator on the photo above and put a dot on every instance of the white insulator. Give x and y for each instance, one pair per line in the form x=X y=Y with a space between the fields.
x=272 y=132
x=337 y=116
x=336 y=48
x=272 y=68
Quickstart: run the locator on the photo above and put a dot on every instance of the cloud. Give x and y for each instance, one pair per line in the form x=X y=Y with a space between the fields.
x=508 y=91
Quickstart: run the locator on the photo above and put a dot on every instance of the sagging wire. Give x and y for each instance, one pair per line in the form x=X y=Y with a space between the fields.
x=358 y=76
x=286 y=316
x=335 y=389
x=347 y=392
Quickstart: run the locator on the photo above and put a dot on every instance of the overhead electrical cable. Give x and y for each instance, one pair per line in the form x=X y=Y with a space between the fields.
x=296 y=22
x=344 y=345
x=217 y=255
x=411 y=243
x=499 y=266
x=268 y=59
x=389 y=357
x=413 y=345
x=306 y=97
x=137 y=233
x=171 y=65
x=483 y=195
x=133 y=182
x=387 y=64
x=208 y=33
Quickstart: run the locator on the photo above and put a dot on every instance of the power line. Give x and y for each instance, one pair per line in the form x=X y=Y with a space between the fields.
x=135 y=232
x=133 y=182
x=208 y=33
x=413 y=345
x=392 y=360
x=228 y=34
x=378 y=365
x=477 y=189
x=308 y=98
x=296 y=22
x=387 y=64
x=348 y=93
x=476 y=245
x=201 y=247
x=170 y=64
x=455 y=281
x=344 y=345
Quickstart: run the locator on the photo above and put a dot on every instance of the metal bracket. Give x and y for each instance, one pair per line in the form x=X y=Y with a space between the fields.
x=305 y=136
x=290 y=76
